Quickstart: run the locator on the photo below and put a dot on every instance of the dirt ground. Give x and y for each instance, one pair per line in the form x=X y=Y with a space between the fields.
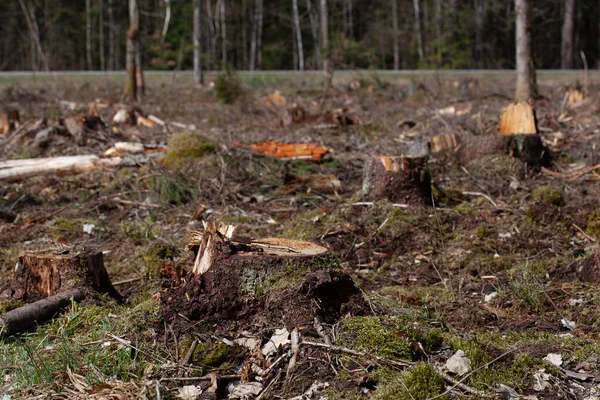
x=502 y=267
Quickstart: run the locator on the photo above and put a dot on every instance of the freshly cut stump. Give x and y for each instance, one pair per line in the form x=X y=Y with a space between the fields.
x=42 y=273
x=518 y=119
x=262 y=282
x=528 y=148
x=48 y=280
x=401 y=179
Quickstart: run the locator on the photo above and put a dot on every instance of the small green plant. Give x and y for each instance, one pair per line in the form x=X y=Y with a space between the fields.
x=228 y=86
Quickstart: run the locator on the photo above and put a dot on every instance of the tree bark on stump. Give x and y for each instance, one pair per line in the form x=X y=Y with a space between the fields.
x=402 y=179
x=43 y=273
x=262 y=282
x=527 y=148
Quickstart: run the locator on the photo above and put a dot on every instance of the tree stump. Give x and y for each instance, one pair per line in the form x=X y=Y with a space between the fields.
x=518 y=118
x=528 y=148
x=262 y=282
x=402 y=179
x=590 y=269
x=42 y=273
x=444 y=142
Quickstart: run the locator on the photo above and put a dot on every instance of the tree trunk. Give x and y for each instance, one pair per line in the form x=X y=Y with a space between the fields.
x=418 y=33
x=314 y=27
x=350 y=19
x=566 y=48
x=211 y=33
x=256 y=33
x=34 y=32
x=478 y=33
x=198 y=76
x=111 y=36
x=395 y=33
x=403 y=179
x=245 y=63
x=259 y=44
x=88 y=34
x=223 y=35
x=438 y=31
x=298 y=36
x=101 y=33
x=253 y=37
x=133 y=89
x=526 y=83
x=325 y=38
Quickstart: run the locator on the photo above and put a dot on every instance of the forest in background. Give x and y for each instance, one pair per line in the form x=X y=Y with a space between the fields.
x=263 y=34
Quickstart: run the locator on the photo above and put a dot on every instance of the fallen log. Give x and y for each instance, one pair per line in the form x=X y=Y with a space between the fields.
x=24 y=318
x=402 y=179
x=284 y=151
x=261 y=282
x=19 y=169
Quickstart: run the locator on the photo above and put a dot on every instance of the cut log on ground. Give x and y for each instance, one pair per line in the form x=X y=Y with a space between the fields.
x=284 y=151
x=43 y=273
x=402 y=179
x=444 y=142
x=261 y=282
x=24 y=318
x=9 y=120
x=19 y=169
x=528 y=148
x=518 y=118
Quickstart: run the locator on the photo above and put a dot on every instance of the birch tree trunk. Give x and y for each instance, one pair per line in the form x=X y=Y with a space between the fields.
x=325 y=36
x=418 y=32
x=134 y=87
x=223 y=35
x=314 y=27
x=111 y=36
x=395 y=33
x=526 y=83
x=88 y=33
x=198 y=76
x=101 y=33
x=298 y=36
x=566 y=48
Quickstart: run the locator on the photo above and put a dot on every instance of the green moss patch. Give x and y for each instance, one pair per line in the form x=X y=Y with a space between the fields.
x=187 y=145
x=419 y=382
x=548 y=195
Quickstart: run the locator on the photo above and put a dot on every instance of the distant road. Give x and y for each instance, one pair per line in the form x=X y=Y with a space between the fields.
x=407 y=73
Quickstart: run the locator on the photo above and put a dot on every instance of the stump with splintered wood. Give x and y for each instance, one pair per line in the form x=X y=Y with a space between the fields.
x=402 y=179
x=517 y=136
x=240 y=281
x=46 y=281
